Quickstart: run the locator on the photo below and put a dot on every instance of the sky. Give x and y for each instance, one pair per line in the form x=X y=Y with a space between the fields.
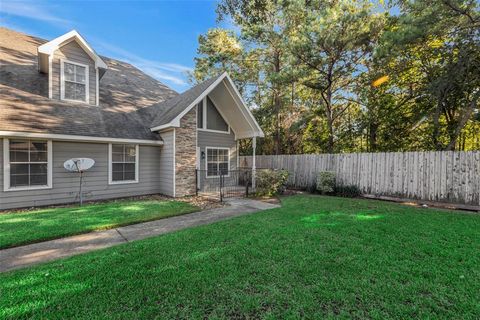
x=159 y=37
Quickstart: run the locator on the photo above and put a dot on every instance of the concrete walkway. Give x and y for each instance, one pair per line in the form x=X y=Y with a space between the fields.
x=19 y=257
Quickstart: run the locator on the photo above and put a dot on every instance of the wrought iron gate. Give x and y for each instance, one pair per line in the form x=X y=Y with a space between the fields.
x=224 y=183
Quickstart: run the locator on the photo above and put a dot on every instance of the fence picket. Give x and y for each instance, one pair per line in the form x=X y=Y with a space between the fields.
x=438 y=176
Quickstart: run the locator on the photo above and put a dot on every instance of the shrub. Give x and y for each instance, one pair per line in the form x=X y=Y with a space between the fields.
x=271 y=182
x=326 y=182
x=347 y=191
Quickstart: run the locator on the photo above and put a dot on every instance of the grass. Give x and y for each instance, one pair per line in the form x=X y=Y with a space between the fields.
x=51 y=223
x=316 y=257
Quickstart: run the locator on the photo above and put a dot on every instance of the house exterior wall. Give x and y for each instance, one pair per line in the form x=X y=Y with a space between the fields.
x=73 y=52
x=185 y=154
x=65 y=185
x=167 y=164
x=216 y=139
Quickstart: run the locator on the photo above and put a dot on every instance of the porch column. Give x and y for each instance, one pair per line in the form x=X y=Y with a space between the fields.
x=254 y=167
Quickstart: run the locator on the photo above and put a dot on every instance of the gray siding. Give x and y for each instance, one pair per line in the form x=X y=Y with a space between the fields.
x=73 y=52
x=167 y=164
x=96 y=187
x=215 y=139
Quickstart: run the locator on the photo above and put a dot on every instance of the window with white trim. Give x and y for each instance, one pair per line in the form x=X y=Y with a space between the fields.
x=75 y=78
x=29 y=163
x=200 y=115
x=124 y=163
x=217 y=162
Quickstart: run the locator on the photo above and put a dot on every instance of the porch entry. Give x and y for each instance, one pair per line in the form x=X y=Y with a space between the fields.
x=221 y=184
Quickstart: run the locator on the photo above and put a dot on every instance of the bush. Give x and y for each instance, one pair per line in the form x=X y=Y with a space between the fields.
x=326 y=182
x=271 y=182
x=347 y=191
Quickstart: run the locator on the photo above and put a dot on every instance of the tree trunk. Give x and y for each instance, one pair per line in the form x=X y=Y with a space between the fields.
x=463 y=121
x=277 y=105
x=329 y=116
x=436 y=128
x=372 y=135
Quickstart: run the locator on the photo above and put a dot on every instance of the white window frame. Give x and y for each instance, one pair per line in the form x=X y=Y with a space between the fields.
x=110 y=166
x=6 y=167
x=204 y=118
x=206 y=161
x=62 y=80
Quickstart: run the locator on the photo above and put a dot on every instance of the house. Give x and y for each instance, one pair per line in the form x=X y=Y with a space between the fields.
x=60 y=100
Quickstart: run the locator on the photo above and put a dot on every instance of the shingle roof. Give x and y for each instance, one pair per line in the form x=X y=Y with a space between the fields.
x=168 y=110
x=124 y=90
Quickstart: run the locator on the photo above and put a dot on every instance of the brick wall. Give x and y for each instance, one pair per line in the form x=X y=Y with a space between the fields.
x=185 y=155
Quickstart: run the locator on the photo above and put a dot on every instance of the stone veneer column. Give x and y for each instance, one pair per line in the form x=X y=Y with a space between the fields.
x=186 y=154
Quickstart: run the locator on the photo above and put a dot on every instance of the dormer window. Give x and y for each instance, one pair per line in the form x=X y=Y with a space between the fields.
x=74 y=69
x=74 y=81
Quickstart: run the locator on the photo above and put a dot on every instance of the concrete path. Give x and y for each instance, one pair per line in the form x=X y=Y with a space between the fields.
x=19 y=257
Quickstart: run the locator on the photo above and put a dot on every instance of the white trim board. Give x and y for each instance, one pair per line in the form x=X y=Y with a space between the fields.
x=62 y=80
x=206 y=160
x=50 y=47
x=205 y=120
x=50 y=77
x=174 y=163
x=6 y=169
x=66 y=137
x=110 y=165
x=257 y=131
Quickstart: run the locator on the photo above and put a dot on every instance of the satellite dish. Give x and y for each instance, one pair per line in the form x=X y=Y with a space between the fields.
x=79 y=165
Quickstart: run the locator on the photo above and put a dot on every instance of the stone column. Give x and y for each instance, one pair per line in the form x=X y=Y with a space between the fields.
x=186 y=155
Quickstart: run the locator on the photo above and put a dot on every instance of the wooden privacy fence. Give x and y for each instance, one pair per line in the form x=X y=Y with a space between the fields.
x=434 y=176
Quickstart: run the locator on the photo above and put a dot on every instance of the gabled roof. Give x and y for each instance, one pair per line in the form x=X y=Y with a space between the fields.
x=49 y=48
x=166 y=111
x=171 y=111
x=132 y=105
x=25 y=106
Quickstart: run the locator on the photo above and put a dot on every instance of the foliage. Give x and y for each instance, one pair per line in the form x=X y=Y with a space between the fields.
x=271 y=182
x=350 y=76
x=326 y=182
x=51 y=223
x=347 y=191
x=314 y=258
x=331 y=41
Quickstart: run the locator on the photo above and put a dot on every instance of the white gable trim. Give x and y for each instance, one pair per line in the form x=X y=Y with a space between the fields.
x=243 y=107
x=50 y=47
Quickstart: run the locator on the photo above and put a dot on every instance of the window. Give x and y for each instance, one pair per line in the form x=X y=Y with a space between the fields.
x=124 y=163
x=217 y=161
x=74 y=81
x=28 y=164
x=209 y=118
x=200 y=115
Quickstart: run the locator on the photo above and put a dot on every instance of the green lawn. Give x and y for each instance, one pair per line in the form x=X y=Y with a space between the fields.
x=316 y=257
x=51 y=223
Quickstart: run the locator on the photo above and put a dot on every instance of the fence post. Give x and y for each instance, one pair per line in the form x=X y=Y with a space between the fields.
x=247 y=182
x=196 y=182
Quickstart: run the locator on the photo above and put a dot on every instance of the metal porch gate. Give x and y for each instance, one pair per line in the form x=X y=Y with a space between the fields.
x=224 y=183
